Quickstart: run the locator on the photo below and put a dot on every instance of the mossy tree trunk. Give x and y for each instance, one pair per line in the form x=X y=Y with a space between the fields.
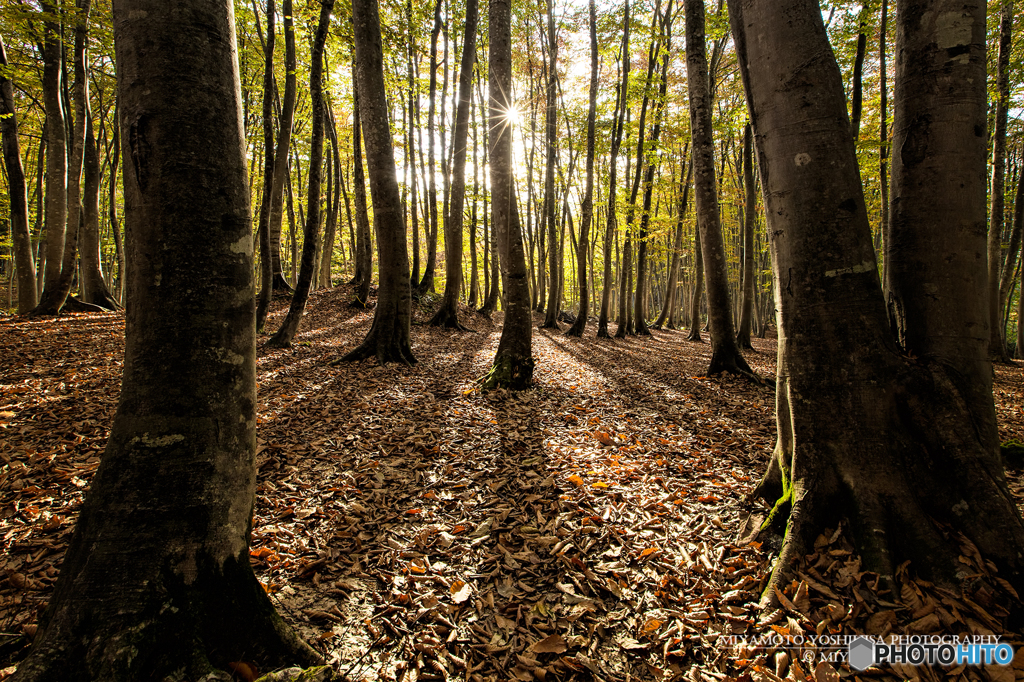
x=156 y=582
x=896 y=440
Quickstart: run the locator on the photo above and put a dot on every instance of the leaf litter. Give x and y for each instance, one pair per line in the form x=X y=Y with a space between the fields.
x=412 y=527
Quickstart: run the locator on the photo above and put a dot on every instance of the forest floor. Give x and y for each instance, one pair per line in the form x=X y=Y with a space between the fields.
x=412 y=527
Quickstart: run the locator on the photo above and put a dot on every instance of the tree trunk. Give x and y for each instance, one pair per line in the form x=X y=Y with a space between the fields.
x=56 y=148
x=115 y=223
x=266 y=263
x=749 y=215
x=997 y=346
x=427 y=283
x=91 y=283
x=513 y=362
x=857 y=103
x=284 y=139
x=583 y=249
x=388 y=339
x=364 y=252
x=448 y=314
x=311 y=232
x=156 y=582
x=613 y=162
x=474 y=277
x=27 y=292
x=550 y=137
x=890 y=442
x=333 y=201
x=725 y=353
x=490 y=235
x=1006 y=279
x=667 y=317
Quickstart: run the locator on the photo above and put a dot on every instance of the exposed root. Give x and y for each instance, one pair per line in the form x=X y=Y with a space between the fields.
x=512 y=372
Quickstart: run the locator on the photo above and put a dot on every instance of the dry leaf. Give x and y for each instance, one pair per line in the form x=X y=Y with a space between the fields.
x=553 y=644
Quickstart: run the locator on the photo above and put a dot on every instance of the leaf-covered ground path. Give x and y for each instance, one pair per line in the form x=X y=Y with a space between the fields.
x=412 y=527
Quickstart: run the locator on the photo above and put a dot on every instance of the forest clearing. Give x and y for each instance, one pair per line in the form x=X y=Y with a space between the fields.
x=411 y=526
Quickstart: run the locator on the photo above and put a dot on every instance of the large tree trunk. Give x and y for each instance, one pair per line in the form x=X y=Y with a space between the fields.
x=891 y=442
x=583 y=249
x=749 y=212
x=156 y=582
x=621 y=98
x=311 y=231
x=725 y=354
x=284 y=140
x=27 y=292
x=448 y=314
x=997 y=346
x=388 y=339
x=513 y=362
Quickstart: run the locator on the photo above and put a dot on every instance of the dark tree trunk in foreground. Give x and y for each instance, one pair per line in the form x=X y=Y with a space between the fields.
x=613 y=162
x=156 y=582
x=725 y=354
x=582 y=251
x=448 y=314
x=19 y=198
x=388 y=339
x=997 y=346
x=311 y=231
x=892 y=442
x=749 y=213
x=266 y=264
x=513 y=363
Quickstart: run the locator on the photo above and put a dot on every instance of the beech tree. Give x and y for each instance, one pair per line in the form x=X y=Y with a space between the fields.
x=156 y=582
x=897 y=433
x=388 y=338
x=513 y=362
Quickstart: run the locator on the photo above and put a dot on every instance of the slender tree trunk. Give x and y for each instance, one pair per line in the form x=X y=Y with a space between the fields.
x=388 y=339
x=411 y=146
x=427 y=283
x=448 y=314
x=115 y=223
x=56 y=148
x=284 y=139
x=490 y=234
x=749 y=215
x=27 y=292
x=857 y=103
x=550 y=136
x=143 y=595
x=333 y=202
x=883 y=140
x=583 y=249
x=474 y=279
x=92 y=285
x=310 y=235
x=698 y=287
x=1006 y=280
x=266 y=262
x=725 y=353
x=997 y=345
x=364 y=265
x=613 y=161
x=513 y=362
x=667 y=317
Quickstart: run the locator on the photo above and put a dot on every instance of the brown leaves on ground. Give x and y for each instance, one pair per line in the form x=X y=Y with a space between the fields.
x=414 y=528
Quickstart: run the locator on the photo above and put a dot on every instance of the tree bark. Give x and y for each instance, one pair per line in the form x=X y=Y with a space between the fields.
x=156 y=582
x=749 y=215
x=513 y=362
x=427 y=283
x=310 y=235
x=893 y=443
x=364 y=249
x=388 y=339
x=667 y=316
x=583 y=249
x=27 y=292
x=725 y=353
x=56 y=147
x=92 y=285
x=550 y=137
x=448 y=314
x=333 y=201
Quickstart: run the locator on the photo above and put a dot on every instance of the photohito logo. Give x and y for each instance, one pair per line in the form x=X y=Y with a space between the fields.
x=863 y=652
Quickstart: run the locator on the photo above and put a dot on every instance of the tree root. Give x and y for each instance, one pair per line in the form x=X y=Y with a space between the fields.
x=512 y=372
